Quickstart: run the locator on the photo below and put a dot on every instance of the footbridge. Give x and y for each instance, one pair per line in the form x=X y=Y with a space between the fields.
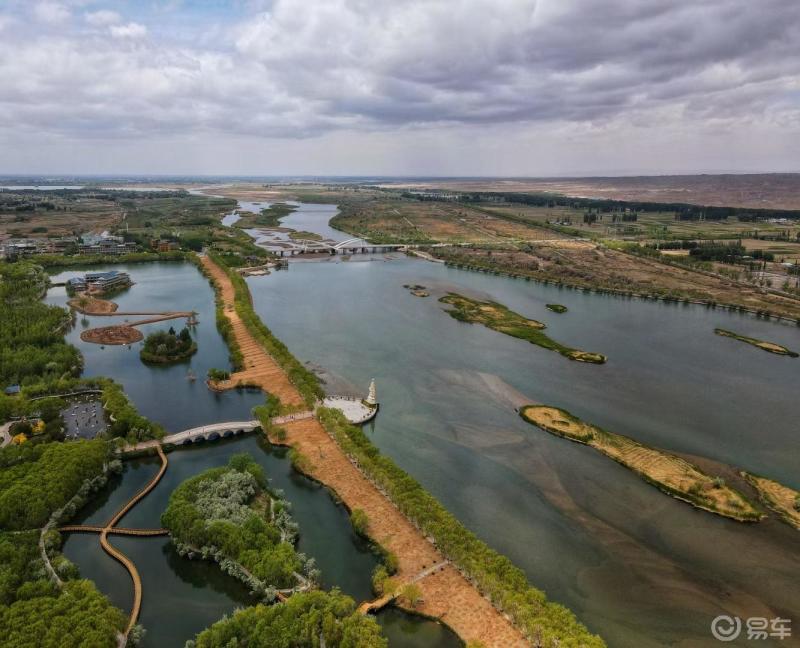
x=214 y=432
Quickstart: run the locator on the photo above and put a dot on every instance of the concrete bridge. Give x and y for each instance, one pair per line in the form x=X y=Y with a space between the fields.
x=214 y=432
x=350 y=246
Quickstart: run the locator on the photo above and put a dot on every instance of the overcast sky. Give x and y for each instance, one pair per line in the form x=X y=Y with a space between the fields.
x=400 y=87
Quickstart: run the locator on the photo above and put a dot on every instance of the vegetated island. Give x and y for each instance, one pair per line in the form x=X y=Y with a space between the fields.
x=557 y=308
x=166 y=347
x=671 y=474
x=761 y=344
x=268 y=217
x=308 y=619
x=417 y=290
x=783 y=500
x=500 y=318
x=229 y=515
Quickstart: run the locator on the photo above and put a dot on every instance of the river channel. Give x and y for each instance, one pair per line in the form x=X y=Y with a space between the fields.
x=635 y=565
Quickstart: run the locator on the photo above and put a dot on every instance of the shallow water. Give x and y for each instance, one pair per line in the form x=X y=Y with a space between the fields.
x=636 y=566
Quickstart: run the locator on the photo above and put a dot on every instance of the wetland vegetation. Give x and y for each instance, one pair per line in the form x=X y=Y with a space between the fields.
x=228 y=514
x=781 y=499
x=305 y=619
x=669 y=473
x=500 y=318
x=165 y=347
x=770 y=347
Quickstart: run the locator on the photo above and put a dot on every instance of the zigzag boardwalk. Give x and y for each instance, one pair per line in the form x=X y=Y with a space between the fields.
x=80 y=528
x=111 y=529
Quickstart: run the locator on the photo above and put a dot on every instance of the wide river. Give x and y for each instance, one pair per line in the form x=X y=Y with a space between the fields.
x=636 y=566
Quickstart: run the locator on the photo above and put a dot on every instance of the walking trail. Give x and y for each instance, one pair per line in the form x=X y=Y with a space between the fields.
x=446 y=594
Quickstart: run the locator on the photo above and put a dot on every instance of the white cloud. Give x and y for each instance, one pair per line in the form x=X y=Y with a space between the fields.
x=130 y=30
x=102 y=18
x=50 y=12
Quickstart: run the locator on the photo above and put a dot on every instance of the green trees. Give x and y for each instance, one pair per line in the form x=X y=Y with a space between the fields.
x=78 y=616
x=304 y=380
x=229 y=515
x=34 y=612
x=494 y=575
x=31 y=332
x=35 y=480
x=304 y=620
x=163 y=347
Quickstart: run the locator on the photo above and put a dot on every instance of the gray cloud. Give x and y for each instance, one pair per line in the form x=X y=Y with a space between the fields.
x=303 y=69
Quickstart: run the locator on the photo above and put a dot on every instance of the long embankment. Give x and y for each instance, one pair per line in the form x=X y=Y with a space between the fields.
x=446 y=593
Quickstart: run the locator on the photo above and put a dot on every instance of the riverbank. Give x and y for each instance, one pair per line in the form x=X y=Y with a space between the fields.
x=447 y=594
x=673 y=475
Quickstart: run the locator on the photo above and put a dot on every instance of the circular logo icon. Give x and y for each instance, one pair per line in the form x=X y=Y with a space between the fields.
x=726 y=628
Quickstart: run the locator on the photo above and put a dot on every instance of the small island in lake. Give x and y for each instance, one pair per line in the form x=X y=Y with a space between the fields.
x=556 y=308
x=500 y=318
x=229 y=515
x=417 y=290
x=671 y=474
x=783 y=500
x=316 y=618
x=761 y=344
x=165 y=347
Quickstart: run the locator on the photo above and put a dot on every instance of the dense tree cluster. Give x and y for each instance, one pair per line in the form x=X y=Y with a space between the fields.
x=682 y=211
x=126 y=420
x=306 y=620
x=167 y=346
x=35 y=612
x=37 y=479
x=228 y=514
x=495 y=575
x=31 y=333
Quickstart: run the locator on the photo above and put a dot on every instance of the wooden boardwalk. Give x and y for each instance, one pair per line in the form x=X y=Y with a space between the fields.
x=446 y=594
x=111 y=529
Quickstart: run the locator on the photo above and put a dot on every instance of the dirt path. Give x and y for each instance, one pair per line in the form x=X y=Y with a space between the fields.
x=446 y=593
x=260 y=369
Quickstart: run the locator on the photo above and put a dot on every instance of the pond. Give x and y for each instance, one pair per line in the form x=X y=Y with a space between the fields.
x=163 y=393
x=181 y=596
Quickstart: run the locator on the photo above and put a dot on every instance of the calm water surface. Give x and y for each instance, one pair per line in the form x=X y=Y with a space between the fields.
x=162 y=393
x=181 y=596
x=636 y=566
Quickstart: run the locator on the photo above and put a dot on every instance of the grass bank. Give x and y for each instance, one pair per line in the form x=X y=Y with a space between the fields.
x=783 y=500
x=304 y=380
x=500 y=318
x=494 y=575
x=671 y=474
x=770 y=347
